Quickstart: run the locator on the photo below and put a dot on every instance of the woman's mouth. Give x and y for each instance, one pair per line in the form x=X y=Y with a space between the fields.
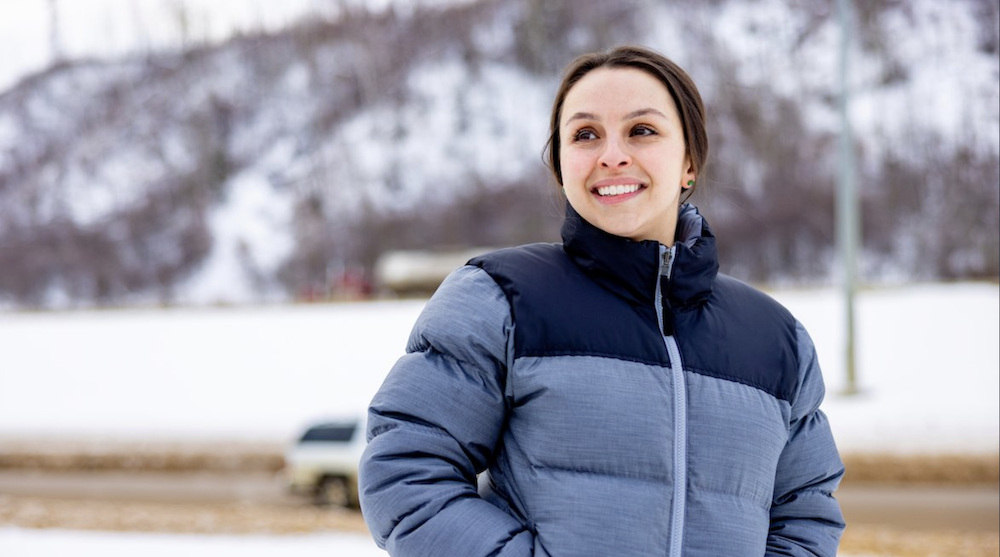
x=617 y=189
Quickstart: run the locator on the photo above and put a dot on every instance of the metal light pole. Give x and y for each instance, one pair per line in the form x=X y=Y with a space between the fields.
x=847 y=202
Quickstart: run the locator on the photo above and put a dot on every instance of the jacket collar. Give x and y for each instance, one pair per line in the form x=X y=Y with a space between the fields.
x=630 y=268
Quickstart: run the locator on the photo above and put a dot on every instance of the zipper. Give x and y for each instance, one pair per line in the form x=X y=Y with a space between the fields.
x=680 y=412
x=666 y=265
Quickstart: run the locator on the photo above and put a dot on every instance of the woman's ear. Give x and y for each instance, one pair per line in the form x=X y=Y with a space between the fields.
x=690 y=175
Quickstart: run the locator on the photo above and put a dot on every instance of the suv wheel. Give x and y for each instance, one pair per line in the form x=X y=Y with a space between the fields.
x=332 y=492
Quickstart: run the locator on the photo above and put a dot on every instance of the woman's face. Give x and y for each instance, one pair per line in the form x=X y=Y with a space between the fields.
x=622 y=153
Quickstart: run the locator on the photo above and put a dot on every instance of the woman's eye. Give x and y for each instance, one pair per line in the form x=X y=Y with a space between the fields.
x=584 y=135
x=643 y=130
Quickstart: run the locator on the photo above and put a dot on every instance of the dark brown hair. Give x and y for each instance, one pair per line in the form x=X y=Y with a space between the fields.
x=682 y=89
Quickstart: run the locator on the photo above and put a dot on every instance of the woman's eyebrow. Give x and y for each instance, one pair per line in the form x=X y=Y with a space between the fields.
x=644 y=112
x=581 y=116
x=630 y=116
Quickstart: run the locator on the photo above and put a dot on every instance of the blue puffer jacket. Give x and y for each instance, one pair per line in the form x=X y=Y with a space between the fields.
x=614 y=398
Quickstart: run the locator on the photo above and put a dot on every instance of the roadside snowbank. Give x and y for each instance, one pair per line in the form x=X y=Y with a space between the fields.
x=928 y=369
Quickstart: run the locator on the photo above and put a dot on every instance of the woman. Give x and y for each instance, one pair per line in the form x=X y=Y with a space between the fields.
x=614 y=394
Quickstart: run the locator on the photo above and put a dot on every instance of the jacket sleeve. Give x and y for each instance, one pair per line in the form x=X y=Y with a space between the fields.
x=805 y=518
x=434 y=424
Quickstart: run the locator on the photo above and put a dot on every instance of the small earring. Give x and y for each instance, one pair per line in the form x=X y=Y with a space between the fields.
x=690 y=184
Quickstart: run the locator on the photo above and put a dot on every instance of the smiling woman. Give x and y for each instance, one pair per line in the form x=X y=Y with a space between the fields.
x=614 y=394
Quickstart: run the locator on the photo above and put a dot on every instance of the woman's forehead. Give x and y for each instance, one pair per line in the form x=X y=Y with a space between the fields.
x=617 y=93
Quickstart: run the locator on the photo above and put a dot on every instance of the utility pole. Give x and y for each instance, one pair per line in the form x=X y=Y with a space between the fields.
x=847 y=202
x=54 y=43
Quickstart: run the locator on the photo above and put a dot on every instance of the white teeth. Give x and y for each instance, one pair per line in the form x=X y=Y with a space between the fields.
x=619 y=189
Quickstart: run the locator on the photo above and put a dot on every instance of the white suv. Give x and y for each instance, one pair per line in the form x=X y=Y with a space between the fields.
x=324 y=461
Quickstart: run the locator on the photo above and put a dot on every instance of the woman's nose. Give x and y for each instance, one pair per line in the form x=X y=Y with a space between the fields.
x=615 y=155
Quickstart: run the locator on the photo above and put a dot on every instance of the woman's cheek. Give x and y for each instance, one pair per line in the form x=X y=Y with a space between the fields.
x=575 y=167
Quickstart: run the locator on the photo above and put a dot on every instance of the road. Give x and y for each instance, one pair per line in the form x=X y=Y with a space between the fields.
x=908 y=507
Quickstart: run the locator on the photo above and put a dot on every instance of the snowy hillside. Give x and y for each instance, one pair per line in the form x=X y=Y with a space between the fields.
x=266 y=167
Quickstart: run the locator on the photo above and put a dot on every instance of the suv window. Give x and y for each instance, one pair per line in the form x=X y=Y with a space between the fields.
x=330 y=432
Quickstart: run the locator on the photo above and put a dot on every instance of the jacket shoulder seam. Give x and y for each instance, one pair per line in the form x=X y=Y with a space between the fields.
x=735 y=379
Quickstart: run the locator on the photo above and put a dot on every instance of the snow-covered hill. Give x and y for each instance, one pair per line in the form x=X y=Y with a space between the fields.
x=266 y=166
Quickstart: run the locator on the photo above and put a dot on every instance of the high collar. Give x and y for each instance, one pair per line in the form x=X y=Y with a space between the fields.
x=631 y=268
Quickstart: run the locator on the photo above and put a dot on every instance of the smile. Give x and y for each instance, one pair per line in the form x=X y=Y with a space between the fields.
x=618 y=189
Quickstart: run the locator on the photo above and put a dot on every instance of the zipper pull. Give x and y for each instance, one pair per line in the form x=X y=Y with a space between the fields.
x=667 y=264
x=665 y=316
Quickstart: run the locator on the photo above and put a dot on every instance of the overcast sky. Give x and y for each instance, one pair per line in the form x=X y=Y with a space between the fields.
x=110 y=27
